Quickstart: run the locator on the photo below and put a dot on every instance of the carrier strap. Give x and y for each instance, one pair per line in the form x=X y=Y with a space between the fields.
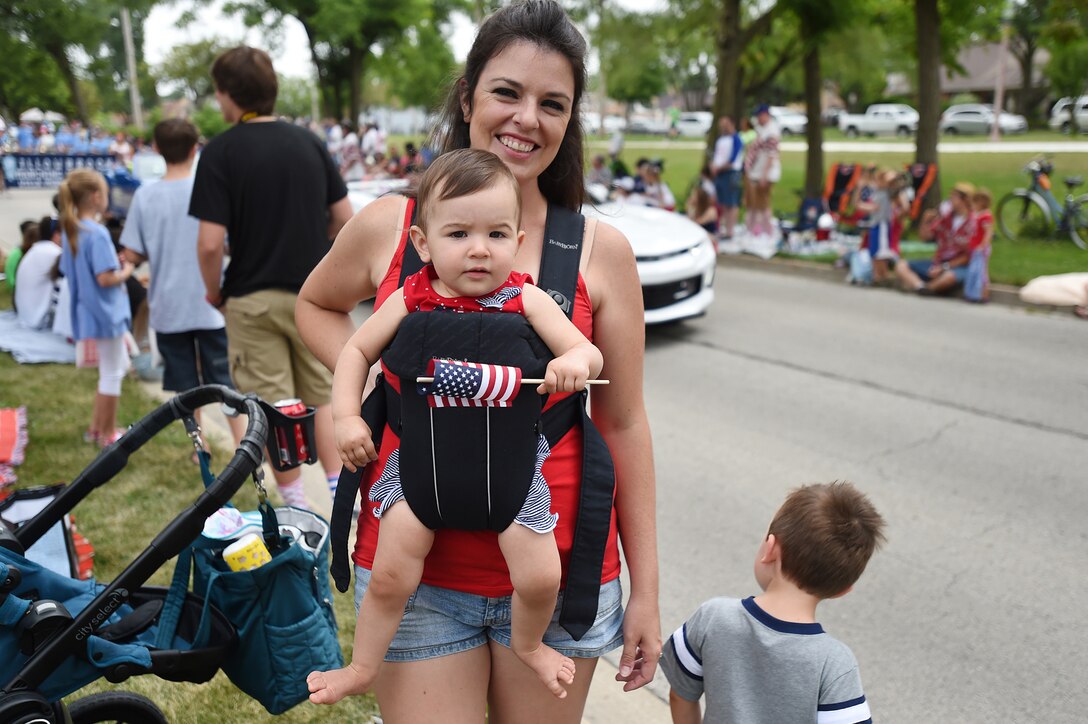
x=410 y=262
x=580 y=597
x=564 y=232
x=376 y=412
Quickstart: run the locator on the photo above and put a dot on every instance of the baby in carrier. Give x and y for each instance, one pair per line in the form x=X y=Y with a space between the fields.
x=468 y=234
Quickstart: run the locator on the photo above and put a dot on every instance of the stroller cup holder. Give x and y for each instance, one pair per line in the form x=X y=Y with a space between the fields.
x=291 y=438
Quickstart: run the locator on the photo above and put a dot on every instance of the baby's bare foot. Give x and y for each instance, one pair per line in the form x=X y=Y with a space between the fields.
x=329 y=687
x=553 y=668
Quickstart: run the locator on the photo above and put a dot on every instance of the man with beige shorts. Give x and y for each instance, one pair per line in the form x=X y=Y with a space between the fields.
x=272 y=191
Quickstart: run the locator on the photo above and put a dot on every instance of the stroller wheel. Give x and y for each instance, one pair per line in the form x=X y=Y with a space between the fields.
x=122 y=707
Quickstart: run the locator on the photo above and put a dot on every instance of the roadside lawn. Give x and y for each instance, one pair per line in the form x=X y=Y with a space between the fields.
x=1011 y=263
x=121 y=518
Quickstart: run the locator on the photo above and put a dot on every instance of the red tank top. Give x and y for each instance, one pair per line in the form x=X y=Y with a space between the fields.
x=470 y=561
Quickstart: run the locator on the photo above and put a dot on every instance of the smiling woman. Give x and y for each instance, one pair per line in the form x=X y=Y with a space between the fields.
x=521 y=88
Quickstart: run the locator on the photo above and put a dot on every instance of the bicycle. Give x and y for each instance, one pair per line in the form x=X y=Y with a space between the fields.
x=1035 y=212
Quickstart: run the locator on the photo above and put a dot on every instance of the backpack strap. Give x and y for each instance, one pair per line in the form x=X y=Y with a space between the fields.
x=562 y=254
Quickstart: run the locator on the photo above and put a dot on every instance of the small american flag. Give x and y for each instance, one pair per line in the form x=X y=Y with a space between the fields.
x=470 y=384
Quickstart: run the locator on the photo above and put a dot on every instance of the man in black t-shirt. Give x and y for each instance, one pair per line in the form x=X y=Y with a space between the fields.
x=271 y=190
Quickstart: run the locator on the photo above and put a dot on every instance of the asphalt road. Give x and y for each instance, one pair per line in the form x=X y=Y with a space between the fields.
x=966 y=425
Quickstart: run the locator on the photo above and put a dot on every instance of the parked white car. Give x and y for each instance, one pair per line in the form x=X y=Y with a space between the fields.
x=694 y=124
x=650 y=125
x=970 y=118
x=1064 y=112
x=880 y=118
x=791 y=123
x=675 y=256
x=591 y=122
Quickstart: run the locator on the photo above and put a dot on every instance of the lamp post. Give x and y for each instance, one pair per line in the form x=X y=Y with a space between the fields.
x=130 y=60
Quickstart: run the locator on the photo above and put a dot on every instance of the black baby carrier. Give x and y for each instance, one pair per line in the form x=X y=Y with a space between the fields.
x=449 y=445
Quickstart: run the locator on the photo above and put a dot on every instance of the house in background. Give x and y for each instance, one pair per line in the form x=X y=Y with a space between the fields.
x=983 y=63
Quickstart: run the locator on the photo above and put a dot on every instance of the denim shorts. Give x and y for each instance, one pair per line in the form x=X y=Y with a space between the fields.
x=440 y=622
x=180 y=352
x=921 y=268
x=727 y=188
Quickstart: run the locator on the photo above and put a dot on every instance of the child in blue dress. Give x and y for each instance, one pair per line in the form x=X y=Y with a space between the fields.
x=99 y=305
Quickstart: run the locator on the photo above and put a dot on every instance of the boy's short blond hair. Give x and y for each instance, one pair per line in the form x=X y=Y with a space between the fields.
x=827 y=533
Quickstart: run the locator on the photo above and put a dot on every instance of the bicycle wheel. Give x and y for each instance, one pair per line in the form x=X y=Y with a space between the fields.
x=1021 y=215
x=1078 y=222
x=122 y=707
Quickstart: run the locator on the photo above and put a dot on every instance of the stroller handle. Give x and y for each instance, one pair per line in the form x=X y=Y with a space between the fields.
x=247 y=457
x=179 y=533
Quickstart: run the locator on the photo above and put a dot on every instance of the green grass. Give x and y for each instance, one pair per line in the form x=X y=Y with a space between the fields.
x=1011 y=263
x=121 y=518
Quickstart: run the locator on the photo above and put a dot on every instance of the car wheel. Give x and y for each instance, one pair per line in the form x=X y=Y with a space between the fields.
x=951 y=130
x=786 y=132
x=1066 y=126
x=851 y=132
x=902 y=131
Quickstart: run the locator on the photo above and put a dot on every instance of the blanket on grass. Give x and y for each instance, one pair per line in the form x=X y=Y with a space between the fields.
x=29 y=346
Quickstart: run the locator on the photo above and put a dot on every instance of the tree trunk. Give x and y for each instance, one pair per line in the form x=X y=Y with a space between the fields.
x=727 y=100
x=355 y=88
x=598 y=7
x=320 y=69
x=814 y=131
x=61 y=59
x=927 y=20
x=1026 y=99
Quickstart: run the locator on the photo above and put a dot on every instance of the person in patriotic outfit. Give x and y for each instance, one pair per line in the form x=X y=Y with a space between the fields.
x=765 y=659
x=468 y=233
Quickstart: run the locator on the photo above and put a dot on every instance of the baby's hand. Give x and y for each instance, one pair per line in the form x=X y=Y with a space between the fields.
x=566 y=373
x=354 y=442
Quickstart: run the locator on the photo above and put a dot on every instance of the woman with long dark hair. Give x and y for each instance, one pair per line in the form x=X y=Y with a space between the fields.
x=450 y=661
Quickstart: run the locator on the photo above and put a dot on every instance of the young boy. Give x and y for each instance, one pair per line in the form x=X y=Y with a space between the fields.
x=160 y=231
x=765 y=659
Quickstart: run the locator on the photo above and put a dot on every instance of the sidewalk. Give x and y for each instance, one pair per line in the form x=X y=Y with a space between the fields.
x=17 y=205
x=608 y=703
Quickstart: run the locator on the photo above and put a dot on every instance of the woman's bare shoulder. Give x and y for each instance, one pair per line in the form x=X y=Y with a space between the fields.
x=611 y=271
x=377 y=224
x=610 y=247
x=358 y=259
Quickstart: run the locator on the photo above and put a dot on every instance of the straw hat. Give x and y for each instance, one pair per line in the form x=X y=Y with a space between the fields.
x=965 y=188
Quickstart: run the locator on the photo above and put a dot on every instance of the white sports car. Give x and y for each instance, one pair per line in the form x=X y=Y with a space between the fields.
x=675 y=256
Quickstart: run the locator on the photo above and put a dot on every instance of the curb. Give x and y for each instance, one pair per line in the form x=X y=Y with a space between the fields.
x=1003 y=294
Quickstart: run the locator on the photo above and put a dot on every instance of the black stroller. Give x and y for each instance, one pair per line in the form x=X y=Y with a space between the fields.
x=110 y=630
